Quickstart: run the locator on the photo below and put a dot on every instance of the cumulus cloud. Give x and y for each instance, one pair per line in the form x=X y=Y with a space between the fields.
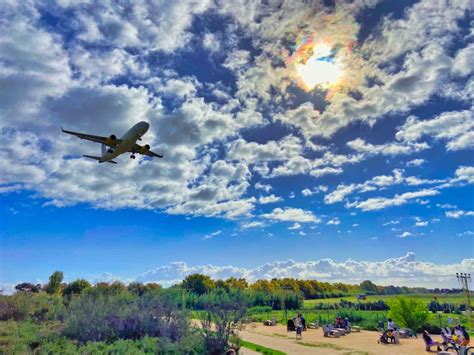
x=456 y=128
x=100 y=79
x=315 y=190
x=269 y=199
x=295 y=226
x=334 y=222
x=415 y=162
x=288 y=214
x=252 y=224
x=386 y=149
x=378 y=203
x=405 y=270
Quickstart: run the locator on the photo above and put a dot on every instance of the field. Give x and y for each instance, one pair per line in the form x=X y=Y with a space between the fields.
x=366 y=319
x=427 y=298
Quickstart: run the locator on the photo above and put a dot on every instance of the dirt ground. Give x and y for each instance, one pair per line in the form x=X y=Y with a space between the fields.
x=313 y=342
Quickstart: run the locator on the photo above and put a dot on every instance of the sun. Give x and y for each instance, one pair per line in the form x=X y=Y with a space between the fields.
x=321 y=69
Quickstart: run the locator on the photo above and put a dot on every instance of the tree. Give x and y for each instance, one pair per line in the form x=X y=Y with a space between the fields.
x=224 y=311
x=198 y=283
x=241 y=284
x=408 y=312
x=263 y=285
x=28 y=287
x=368 y=286
x=54 y=285
x=76 y=287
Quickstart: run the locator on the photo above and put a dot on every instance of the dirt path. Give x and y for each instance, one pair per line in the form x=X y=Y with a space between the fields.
x=313 y=342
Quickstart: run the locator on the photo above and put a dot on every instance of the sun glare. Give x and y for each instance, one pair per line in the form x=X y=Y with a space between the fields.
x=320 y=69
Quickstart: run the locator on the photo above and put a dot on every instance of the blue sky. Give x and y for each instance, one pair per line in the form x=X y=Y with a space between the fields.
x=367 y=174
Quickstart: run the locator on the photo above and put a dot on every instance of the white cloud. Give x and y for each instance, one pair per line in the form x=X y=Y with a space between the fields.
x=464 y=61
x=295 y=226
x=421 y=224
x=446 y=206
x=334 y=222
x=152 y=26
x=288 y=214
x=405 y=270
x=211 y=41
x=212 y=235
x=415 y=162
x=466 y=233
x=456 y=127
x=315 y=190
x=264 y=187
x=405 y=235
x=458 y=214
x=269 y=199
x=253 y=224
x=465 y=173
x=33 y=65
x=391 y=148
x=377 y=203
x=301 y=233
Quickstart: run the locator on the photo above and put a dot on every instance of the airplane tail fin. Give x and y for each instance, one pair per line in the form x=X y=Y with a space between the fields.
x=99 y=159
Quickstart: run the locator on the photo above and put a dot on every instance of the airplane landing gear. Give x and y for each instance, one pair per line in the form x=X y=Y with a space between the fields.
x=132 y=156
x=110 y=151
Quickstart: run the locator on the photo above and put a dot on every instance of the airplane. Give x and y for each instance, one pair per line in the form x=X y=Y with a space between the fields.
x=113 y=147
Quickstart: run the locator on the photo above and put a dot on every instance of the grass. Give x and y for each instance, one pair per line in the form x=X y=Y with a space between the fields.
x=260 y=348
x=427 y=298
x=369 y=319
x=323 y=345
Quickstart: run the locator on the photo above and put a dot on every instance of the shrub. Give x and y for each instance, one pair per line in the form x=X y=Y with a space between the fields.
x=102 y=316
x=408 y=312
x=223 y=312
x=76 y=287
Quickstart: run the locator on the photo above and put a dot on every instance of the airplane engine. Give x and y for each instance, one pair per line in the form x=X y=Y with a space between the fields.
x=145 y=149
x=111 y=140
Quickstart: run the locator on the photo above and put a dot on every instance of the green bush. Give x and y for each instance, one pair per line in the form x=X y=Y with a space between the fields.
x=31 y=306
x=409 y=312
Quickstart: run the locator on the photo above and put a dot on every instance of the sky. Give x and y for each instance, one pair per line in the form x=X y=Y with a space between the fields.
x=328 y=140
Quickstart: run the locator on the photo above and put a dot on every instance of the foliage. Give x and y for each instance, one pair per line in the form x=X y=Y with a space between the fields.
x=408 y=312
x=54 y=285
x=31 y=307
x=28 y=287
x=198 y=284
x=139 y=289
x=224 y=311
x=101 y=315
x=378 y=305
x=369 y=287
x=45 y=338
x=76 y=287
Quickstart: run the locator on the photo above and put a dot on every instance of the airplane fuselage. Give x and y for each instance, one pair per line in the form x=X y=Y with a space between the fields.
x=127 y=141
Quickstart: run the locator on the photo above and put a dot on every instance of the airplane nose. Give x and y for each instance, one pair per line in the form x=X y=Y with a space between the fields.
x=145 y=125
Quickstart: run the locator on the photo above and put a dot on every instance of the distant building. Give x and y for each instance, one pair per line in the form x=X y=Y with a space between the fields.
x=362 y=297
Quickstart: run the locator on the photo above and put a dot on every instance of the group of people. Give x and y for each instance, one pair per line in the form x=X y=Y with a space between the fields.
x=390 y=335
x=344 y=324
x=455 y=337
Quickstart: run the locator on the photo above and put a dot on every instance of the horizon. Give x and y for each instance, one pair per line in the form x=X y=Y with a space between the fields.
x=330 y=141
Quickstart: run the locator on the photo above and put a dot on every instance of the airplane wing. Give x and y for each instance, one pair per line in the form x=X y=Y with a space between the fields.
x=145 y=150
x=97 y=139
